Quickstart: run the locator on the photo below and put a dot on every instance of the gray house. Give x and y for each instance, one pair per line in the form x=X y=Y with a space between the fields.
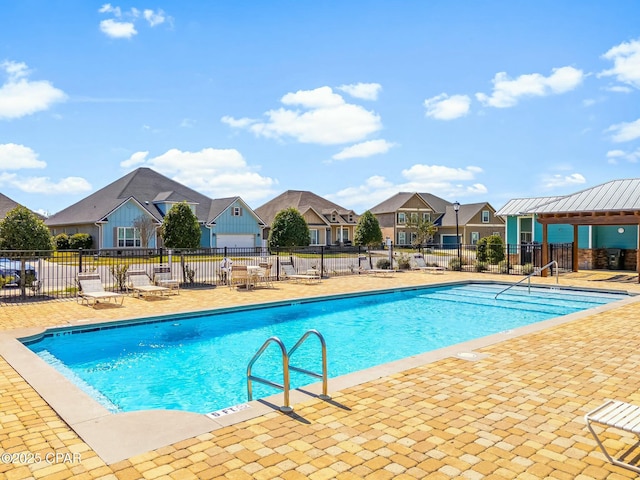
x=109 y=214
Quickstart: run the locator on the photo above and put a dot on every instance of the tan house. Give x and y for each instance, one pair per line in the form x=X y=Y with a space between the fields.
x=329 y=223
x=398 y=215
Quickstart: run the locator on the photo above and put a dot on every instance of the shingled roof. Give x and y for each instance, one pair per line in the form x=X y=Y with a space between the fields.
x=144 y=185
x=6 y=205
x=301 y=200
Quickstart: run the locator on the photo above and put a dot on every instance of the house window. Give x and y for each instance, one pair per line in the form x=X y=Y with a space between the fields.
x=426 y=217
x=414 y=235
x=475 y=236
x=333 y=217
x=315 y=236
x=485 y=216
x=350 y=218
x=402 y=217
x=128 y=237
x=237 y=211
x=414 y=218
x=402 y=238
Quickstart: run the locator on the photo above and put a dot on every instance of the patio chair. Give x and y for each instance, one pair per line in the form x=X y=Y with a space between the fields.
x=616 y=414
x=239 y=276
x=364 y=267
x=91 y=290
x=289 y=273
x=419 y=263
x=139 y=283
x=162 y=277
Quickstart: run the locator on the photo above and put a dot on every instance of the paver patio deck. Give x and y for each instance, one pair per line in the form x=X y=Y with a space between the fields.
x=515 y=412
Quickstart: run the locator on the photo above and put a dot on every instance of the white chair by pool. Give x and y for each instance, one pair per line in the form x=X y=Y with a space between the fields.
x=365 y=267
x=139 y=283
x=91 y=290
x=419 y=263
x=288 y=272
x=162 y=277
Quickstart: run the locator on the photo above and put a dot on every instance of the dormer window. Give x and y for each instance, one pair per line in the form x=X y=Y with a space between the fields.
x=237 y=212
x=333 y=217
x=350 y=218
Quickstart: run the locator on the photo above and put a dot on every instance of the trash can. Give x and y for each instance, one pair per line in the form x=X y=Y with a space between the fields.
x=614 y=258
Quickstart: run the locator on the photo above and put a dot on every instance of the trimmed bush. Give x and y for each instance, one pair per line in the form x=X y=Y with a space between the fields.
x=503 y=266
x=455 y=264
x=62 y=241
x=383 y=264
x=80 y=240
x=480 y=266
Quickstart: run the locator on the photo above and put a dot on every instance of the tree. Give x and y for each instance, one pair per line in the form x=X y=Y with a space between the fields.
x=425 y=230
x=146 y=226
x=490 y=249
x=180 y=227
x=289 y=229
x=24 y=230
x=368 y=232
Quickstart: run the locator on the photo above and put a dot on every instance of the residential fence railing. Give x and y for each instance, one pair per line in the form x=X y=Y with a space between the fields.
x=43 y=275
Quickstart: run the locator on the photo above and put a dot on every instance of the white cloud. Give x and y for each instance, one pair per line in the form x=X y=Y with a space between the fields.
x=114 y=29
x=626 y=63
x=507 y=92
x=124 y=24
x=364 y=149
x=558 y=180
x=625 y=131
x=619 y=89
x=20 y=97
x=614 y=155
x=446 y=182
x=325 y=119
x=365 y=91
x=217 y=173
x=16 y=157
x=68 y=185
x=445 y=107
x=154 y=18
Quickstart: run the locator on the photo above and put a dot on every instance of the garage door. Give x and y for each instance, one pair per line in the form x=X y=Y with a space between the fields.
x=236 y=241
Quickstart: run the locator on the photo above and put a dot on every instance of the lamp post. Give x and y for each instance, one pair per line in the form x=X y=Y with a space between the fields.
x=456 y=207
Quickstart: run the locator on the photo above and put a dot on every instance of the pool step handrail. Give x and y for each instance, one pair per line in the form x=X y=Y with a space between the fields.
x=286 y=367
x=285 y=387
x=537 y=271
x=323 y=375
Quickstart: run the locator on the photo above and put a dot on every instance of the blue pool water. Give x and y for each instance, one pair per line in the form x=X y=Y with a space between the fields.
x=198 y=363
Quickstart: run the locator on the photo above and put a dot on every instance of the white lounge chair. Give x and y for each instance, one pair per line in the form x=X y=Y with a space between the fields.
x=288 y=272
x=365 y=268
x=139 y=283
x=616 y=414
x=91 y=290
x=420 y=264
x=162 y=277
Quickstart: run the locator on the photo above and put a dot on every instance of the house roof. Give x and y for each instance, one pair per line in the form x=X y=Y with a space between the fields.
x=6 y=205
x=144 y=185
x=465 y=214
x=302 y=200
x=518 y=206
x=219 y=205
x=616 y=195
x=396 y=202
x=438 y=204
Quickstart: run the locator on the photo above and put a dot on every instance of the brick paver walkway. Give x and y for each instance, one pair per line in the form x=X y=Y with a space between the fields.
x=515 y=413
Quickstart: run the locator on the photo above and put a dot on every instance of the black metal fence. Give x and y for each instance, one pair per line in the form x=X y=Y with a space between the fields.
x=26 y=276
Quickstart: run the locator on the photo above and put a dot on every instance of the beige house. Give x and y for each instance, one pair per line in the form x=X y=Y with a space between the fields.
x=329 y=223
x=398 y=214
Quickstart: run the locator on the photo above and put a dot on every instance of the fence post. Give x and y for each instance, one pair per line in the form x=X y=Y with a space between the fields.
x=80 y=259
x=321 y=260
x=161 y=253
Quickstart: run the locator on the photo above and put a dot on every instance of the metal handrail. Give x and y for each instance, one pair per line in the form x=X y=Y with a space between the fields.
x=285 y=387
x=323 y=376
x=528 y=277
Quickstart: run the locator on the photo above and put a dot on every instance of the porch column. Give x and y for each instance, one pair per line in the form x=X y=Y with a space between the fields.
x=575 y=248
x=545 y=250
x=638 y=254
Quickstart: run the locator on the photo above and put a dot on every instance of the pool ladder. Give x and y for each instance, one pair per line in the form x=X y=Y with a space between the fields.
x=286 y=367
x=537 y=271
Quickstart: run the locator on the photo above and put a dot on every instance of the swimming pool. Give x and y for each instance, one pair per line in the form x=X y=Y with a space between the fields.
x=198 y=363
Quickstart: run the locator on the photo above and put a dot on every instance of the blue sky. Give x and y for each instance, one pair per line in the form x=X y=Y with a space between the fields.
x=353 y=100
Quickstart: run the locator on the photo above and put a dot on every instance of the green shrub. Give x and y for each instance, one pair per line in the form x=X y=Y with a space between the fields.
x=119 y=272
x=455 y=264
x=527 y=269
x=404 y=262
x=490 y=249
x=62 y=241
x=383 y=264
x=503 y=266
x=480 y=266
x=80 y=240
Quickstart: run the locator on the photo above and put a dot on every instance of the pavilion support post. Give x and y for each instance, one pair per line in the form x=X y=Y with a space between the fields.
x=638 y=254
x=574 y=249
x=545 y=250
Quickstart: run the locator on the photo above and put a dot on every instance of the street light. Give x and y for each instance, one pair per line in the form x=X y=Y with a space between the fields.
x=456 y=207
